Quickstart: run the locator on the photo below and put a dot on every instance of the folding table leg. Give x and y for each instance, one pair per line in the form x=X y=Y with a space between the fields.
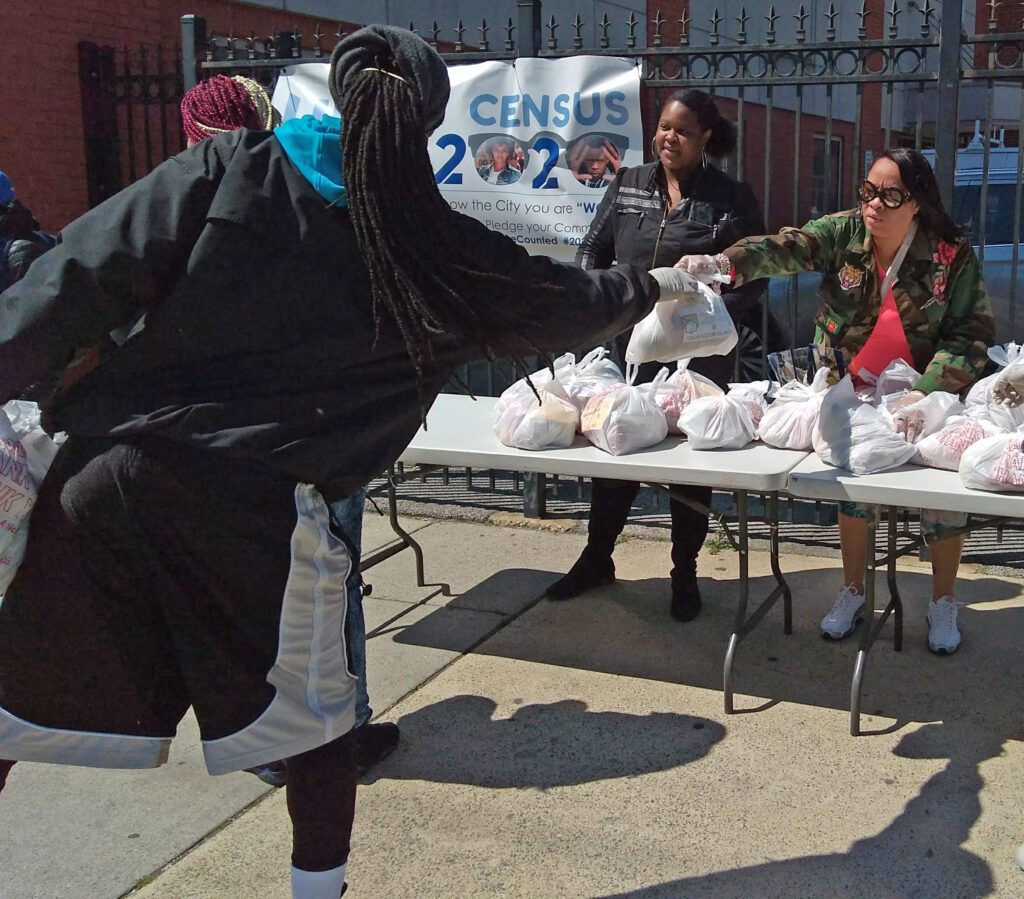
x=743 y=624
x=741 y=608
x=787 y=596
x=867 y=635
x=894 y=594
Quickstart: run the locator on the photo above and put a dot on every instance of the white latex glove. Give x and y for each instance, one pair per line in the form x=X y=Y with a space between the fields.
x=698 y=265
x=906 y=420
x=1008 y=389
x=676 y=284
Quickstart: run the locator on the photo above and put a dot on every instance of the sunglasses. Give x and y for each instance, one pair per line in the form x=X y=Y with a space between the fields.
x=891 y=197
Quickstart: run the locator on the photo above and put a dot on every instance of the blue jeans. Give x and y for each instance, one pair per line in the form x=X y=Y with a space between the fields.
x=348 y=516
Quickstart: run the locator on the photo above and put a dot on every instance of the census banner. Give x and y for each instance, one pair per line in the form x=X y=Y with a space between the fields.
x=527 y=147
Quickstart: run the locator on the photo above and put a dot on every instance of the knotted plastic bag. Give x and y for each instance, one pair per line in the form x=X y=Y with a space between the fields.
x=789 y=421
x=995 y=463
x=676 y=329
x=520 y=420
x=945 y=448
x=725 y=422
x=682 y=388
x=625 y=418
x=593 y=374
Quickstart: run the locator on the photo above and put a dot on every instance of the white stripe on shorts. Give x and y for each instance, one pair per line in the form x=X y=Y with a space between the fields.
x=316 y=693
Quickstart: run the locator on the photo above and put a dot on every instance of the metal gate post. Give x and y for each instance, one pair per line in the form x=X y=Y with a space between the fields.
x=97 y=77
x=950 y=41
x=529 y=28
x=193 y=42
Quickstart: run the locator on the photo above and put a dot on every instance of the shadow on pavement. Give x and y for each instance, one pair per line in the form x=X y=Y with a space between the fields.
x=542 y=745
x=919 y=854
x=603 y=630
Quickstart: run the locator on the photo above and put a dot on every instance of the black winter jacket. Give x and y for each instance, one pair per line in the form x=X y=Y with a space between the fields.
x=259 y=336
x=632 y=225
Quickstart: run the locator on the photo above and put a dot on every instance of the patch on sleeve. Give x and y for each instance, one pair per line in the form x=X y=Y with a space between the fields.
x=850 y=276
x=831 y=325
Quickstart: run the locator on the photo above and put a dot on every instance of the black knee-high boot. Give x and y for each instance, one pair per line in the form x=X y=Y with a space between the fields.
x=610 y=502
x=689 y=530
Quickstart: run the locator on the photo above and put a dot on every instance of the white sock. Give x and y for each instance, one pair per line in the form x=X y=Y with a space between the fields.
x=317 y=884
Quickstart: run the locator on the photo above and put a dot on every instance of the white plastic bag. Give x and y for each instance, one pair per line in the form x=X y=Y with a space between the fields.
x=790 y=420
x=682 y=388
x=593 y=374
x=678 y=329
x=18 y=491
x=523 y=422
x=625 y=418
x=936 y=408
x=725 y=422
x=855 y=435
x=995 y=463
x=946 y=447
x=979 y=397
x=896 y=381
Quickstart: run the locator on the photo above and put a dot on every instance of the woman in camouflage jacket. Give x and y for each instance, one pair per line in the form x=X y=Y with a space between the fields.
x=945 y=318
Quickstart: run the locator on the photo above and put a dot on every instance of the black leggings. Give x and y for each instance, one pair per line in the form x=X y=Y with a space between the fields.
x=321 y=795
x=609 y=508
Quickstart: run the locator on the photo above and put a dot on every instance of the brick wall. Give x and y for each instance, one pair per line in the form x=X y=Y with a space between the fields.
x=42 y=141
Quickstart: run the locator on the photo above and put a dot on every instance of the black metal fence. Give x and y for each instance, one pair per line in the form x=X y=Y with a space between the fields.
x=814 y=98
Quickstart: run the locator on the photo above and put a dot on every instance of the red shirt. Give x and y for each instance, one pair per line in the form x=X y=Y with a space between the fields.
x=887 y=341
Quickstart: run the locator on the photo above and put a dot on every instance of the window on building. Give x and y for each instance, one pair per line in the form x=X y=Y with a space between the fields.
x=827 y=197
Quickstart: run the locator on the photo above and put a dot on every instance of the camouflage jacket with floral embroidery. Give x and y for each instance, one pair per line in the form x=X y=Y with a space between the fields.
x=946 y=315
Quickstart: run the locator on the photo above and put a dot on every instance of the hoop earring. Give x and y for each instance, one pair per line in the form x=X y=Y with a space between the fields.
x=654 y=148
x=703 y=157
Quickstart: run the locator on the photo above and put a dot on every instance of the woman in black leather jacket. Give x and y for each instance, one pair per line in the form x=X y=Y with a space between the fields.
x=652 y=215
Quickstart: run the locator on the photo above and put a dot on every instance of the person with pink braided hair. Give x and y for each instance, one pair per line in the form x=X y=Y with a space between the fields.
x=222 y=104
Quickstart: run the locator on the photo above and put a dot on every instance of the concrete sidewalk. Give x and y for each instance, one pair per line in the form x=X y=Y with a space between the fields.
x=580 y=749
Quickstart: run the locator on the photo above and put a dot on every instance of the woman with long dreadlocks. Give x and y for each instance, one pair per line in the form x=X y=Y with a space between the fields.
x=180 y=551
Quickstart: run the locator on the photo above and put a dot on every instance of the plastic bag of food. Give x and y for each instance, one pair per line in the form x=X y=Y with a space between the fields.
x=946 y=446
x=995 y=463
x=678 y=329
x=856 y=435
x=725 y=422
x=593 y=374
x=526 y=423
x=682 y=388
x=935 y=410
x=625 y=418
x=789 y=421
x=896 y=381
x=1003 y=356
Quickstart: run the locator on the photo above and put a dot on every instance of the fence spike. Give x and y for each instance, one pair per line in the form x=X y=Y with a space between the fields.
x=460 y=30
x=894 y=13
x=715 y=20
x=631 y=24
x=926 y=12
x=435 y=33
x=552 y=39
x=231 y=44
x=656 y=37
x=577 y=26
x=862 y=31
x=801 y=21
x=485 y=44
x=830 y=14
x=604 y=25
x=509 y=28
x=772 y=18
x=318 y=50
x=684 y=29
x=742 y=19
x=296 y=43
x=993 y=5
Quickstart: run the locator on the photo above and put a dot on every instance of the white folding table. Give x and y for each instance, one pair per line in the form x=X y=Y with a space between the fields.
x=906 y=487
x=460 y=434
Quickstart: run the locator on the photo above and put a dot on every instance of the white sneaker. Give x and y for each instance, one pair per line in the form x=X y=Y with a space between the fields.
x=943 y=635
x=845 y=615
